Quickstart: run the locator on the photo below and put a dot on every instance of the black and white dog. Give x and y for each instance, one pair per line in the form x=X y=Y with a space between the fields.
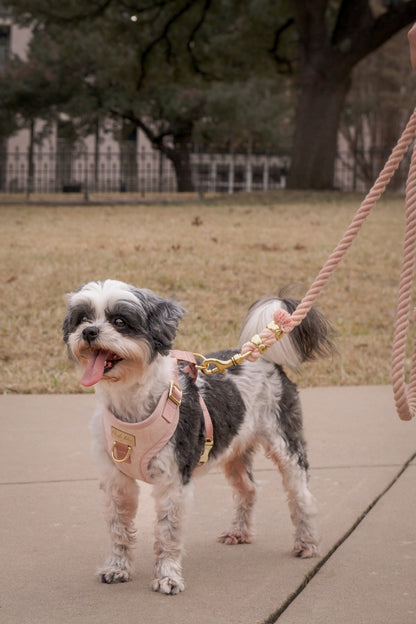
x=121 y=337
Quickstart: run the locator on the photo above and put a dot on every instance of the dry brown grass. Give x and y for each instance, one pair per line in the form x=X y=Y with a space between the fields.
x=216 y=255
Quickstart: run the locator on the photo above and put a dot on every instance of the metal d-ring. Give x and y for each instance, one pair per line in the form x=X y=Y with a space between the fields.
x=125 y=458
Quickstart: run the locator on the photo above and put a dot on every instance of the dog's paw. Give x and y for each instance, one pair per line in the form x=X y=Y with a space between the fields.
x=168 y=585
x=235 y=537
x=305 y=550
x=114 y=573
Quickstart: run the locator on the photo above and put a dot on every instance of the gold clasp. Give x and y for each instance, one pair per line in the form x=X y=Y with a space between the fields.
x=275 y=328
x=209 y=366
x=257 y=342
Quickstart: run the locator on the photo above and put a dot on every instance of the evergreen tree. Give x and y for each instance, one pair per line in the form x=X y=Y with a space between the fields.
x=172 y=66
x=168 y=69
x=334 y=36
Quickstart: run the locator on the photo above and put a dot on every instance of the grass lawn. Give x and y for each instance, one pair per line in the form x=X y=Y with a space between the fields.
x=216 y=255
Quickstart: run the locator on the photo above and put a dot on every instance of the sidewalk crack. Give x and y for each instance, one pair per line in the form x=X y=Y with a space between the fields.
x=312 y=573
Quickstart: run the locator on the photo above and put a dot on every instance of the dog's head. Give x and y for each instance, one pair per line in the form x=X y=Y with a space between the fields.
x=114 y=331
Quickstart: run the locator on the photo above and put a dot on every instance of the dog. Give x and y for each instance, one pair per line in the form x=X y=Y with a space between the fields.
x=121 y=338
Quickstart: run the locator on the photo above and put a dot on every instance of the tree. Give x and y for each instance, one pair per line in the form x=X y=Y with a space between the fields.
x=378 y=105
x=165 y=67
x=333 y=38
x=49 y=84
x=164 y=60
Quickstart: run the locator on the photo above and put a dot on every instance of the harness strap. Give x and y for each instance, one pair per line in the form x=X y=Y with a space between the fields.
x=133 y=445
x=191 y=370
x=189 y=357
x=209 y=433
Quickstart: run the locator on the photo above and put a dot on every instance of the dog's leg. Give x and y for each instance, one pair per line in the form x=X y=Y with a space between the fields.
x=172 y=503
x=238 y=472
x=121 y=500
x=302 y=504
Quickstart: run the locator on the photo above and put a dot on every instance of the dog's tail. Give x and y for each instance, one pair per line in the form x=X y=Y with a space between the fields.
x=308 y=341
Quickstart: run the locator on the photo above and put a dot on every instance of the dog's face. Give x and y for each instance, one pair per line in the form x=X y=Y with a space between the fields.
x=114 y=331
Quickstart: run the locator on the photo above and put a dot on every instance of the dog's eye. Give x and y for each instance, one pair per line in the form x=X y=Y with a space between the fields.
x=84 y=319
x=119 y=322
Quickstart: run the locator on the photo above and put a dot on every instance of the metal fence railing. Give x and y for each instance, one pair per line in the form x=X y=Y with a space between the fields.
x=151 y=172
x=145 y=172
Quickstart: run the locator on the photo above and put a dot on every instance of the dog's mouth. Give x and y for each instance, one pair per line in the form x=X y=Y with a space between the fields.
x=99 y=363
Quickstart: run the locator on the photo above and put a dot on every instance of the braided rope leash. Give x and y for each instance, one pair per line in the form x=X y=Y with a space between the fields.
x=405 y=397
x=283 y=322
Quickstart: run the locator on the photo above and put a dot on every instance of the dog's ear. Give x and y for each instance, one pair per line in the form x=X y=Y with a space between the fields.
x=163 y=324
x=66 y=329
x=163 y=316
x=68 y=324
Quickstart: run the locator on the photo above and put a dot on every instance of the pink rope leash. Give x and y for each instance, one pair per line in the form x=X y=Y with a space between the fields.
x=405 y=398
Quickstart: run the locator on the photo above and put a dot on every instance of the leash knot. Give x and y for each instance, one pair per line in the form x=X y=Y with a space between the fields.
x=284 y=320
x=282 y=324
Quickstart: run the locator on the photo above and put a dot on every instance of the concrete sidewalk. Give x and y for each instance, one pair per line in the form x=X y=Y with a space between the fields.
x=363 y=474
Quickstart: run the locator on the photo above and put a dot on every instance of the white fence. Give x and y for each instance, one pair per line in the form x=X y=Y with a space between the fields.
x=151 y=172
x=145 y=172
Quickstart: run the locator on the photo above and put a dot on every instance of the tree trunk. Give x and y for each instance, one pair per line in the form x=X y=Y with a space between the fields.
x=328 y=51
x=320 y=104
x=180 y=155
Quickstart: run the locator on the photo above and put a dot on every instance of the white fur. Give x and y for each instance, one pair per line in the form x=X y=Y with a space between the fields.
x=282 y=352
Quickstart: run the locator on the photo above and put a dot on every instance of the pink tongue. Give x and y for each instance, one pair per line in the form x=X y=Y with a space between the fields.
x=95 y=368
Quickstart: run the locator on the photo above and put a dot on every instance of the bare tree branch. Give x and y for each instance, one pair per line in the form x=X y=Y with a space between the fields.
x=163 y=36
x=284 y=64
x=353 y=15
x=359 y=41
x=191 y=42
x=157 y=139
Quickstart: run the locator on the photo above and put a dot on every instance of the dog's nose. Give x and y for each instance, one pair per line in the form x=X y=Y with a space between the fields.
x=90 y=333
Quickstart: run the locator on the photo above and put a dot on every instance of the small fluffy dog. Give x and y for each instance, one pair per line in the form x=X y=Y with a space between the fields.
x=121 y=337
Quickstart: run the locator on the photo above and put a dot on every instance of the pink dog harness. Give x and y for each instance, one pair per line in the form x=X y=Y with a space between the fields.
x=132 y=445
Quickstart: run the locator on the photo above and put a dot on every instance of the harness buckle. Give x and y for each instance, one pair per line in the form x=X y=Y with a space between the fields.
x=175 y=393
x=209 y=443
